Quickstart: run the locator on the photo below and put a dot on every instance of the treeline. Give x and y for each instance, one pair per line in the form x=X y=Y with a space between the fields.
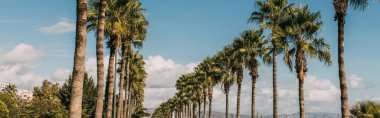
x=50 y=100
x=293 y=35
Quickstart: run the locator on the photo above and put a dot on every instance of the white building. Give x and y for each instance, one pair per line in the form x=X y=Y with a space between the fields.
x=24 y=94
x=3 y=85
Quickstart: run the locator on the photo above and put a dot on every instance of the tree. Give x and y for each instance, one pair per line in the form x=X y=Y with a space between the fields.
x=124 y=26
x=302 y=28
x=4 y=112
x=365 y=109
x=269 y=14
x=99 y=58
x=89 y=95
x=17 y=107
x=79 y=60
x=211 y=77
x=227 y=78
x=340 y=14
x=46 y=103
x=252 y=45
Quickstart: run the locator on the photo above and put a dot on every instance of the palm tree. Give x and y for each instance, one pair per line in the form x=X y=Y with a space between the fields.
x=99 y=58
x=302 y=28
x=340 y=14
x=365 y=109
x=237 y=61
x=269 y=14
x=210 y=76
x=79 y=61
x=113 y=32
x=125 y=25
x=200 y=73
x=252 y=44
x=136 y=84
x=227 y=79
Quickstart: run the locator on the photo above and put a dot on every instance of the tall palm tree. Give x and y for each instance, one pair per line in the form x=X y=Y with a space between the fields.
x=252 y=45
x=237 y=67
x=302 y=28
x=210 y=74
x=200 y=73
x=227 y=79
x=136 y=84
x=113 y=32
x=100 y=60
x=136 y=26
x=79 y=61
x=125 y=25
x=269 y=14
x=340 y=14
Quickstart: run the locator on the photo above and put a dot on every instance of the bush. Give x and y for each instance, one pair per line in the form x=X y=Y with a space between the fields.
x=4 y=112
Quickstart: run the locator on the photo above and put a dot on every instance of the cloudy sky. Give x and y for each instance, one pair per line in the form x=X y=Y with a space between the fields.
x=37 y=43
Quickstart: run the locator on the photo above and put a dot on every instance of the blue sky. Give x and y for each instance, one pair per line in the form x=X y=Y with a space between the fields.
x=181 y=34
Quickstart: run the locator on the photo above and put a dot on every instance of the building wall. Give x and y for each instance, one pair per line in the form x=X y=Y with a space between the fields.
x=3 y=85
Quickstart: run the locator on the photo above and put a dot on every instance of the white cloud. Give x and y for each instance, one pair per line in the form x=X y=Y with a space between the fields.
x=63 y=26
x=18 y=66
x=91 y=66
x=320 y=90
x=355 y=82
x=162 y=75
x=61 y=75
x=20 y=74
x=22 y=53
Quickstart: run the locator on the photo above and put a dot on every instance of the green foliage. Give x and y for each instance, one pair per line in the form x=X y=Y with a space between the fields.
x=4 y=112
x=140 y=114
x=366 y=109
x=89 y=95
x=16 y=105
x=46 y=103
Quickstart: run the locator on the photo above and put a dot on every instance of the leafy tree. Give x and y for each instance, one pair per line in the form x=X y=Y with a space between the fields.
x=89 y=95
x=366 y=109
x=4 y=112
x=46 y=103
x=15 y=105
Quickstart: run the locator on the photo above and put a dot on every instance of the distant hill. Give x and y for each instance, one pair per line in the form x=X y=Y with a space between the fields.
x=217 y=114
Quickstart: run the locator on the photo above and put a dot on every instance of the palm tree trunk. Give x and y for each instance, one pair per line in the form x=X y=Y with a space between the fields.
x=238 y=101
x=79 y=61
x=300 y=94
x=100 y=60
x=110 y=83
x=342 y=70
x=199 y=108
x=227 y=94
x=204 y=104
x=121 y=85
x=210 y=107
x=127 y=63
x=194 y=110
x=274 y=61
x=129 y=99
x=253 y=108
x=240 y=79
